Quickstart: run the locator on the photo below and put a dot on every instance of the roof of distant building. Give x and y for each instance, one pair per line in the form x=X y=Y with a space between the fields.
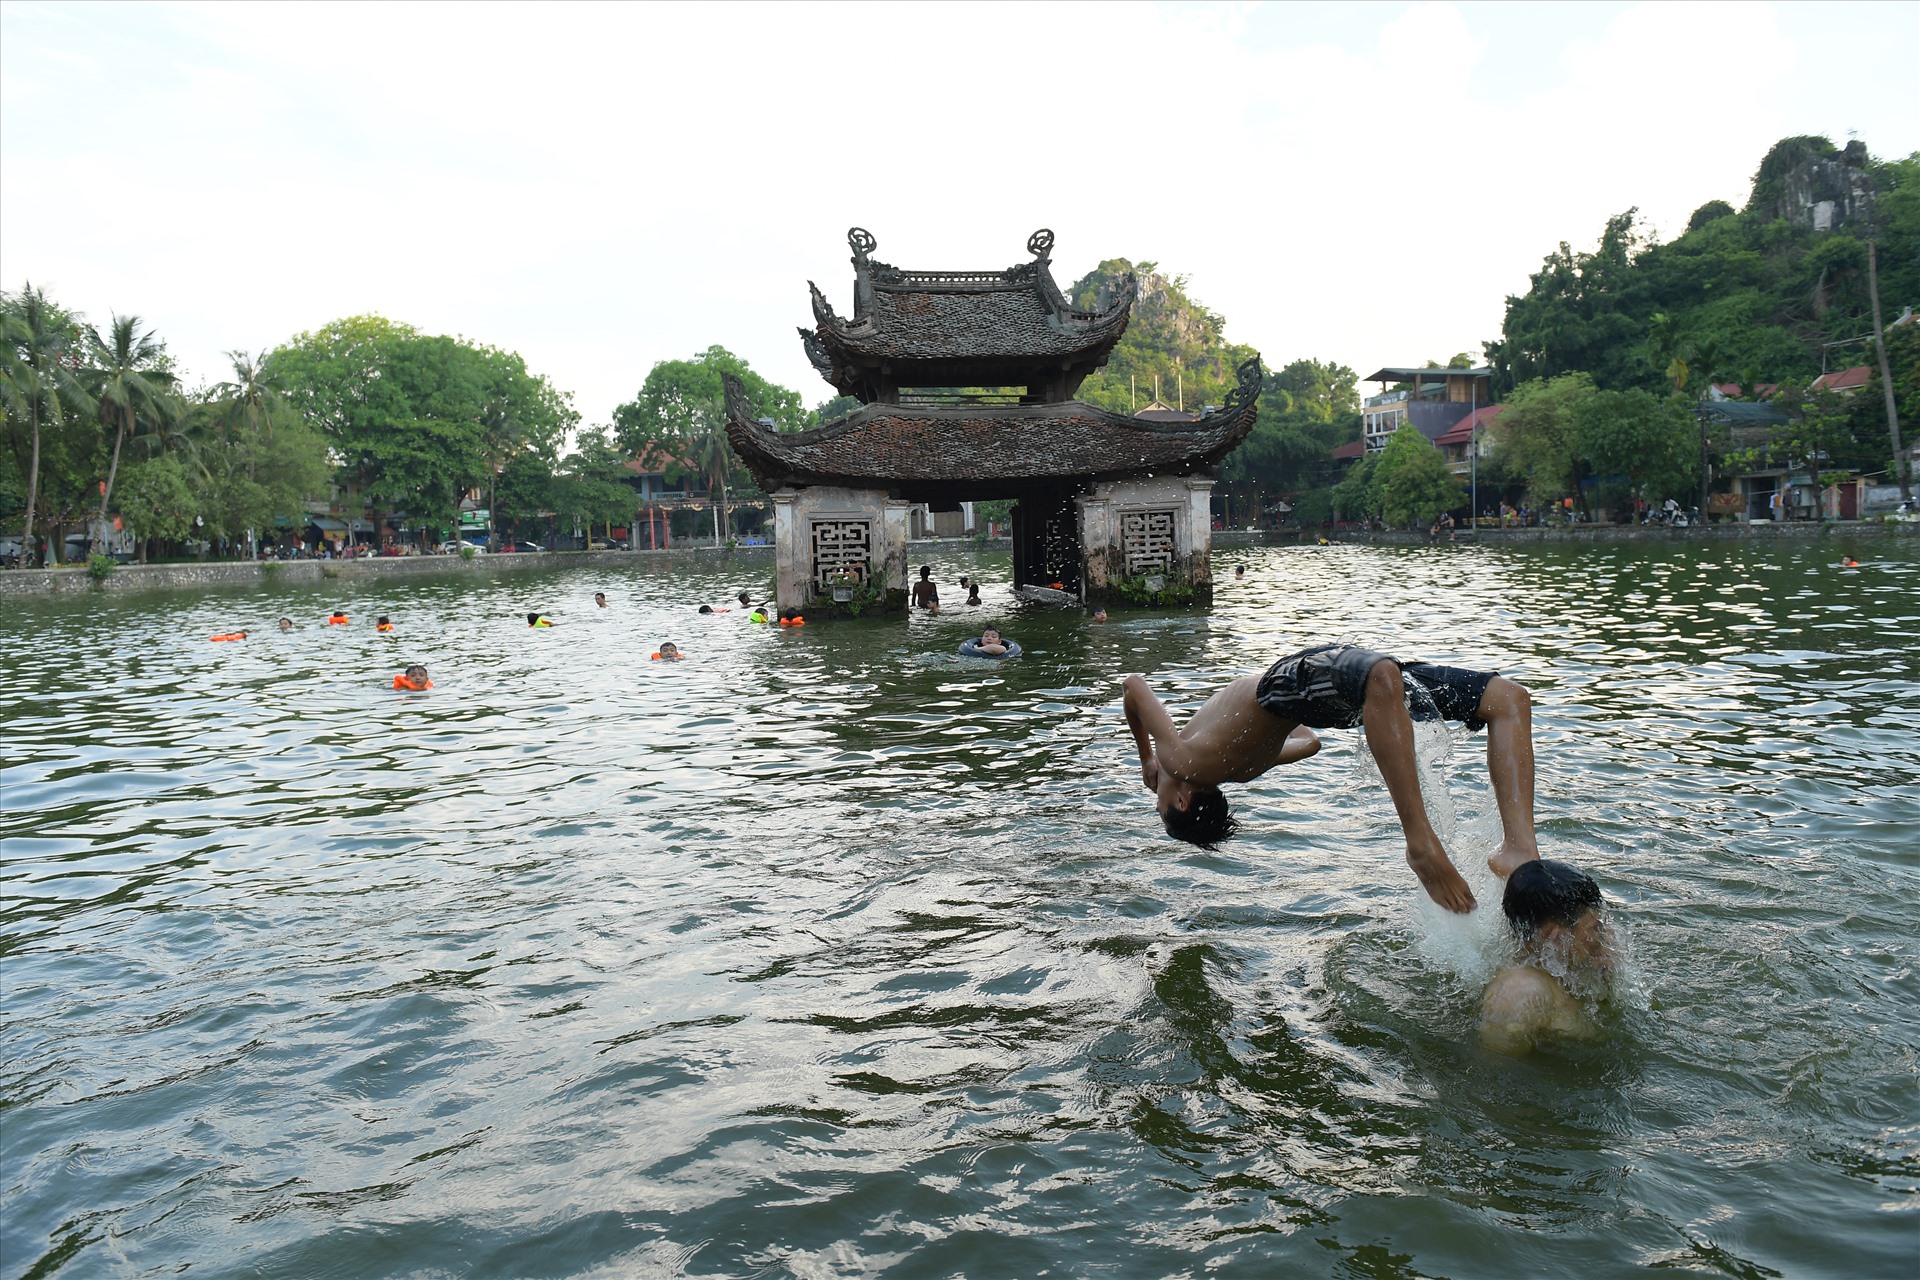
x=1462 y=431
x=1157 y=412
x=653 y=460
x=1351 y=449
x=1844 y=379
x=1740 y=413
x=1733 y=391
x=1392 y=374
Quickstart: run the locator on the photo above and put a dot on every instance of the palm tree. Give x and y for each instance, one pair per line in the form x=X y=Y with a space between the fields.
x=712 y=457
x=38 y=379
x=249 y=404
x=252 y=399
x=130 y=383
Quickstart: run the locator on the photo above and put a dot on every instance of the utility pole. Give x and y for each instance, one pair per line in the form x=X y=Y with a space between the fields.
x=1857 y=159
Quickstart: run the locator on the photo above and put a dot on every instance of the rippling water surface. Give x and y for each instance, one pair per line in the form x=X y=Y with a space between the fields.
x=828 y=953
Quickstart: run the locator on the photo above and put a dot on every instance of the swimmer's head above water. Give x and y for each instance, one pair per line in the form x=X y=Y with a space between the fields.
x=1552 y=906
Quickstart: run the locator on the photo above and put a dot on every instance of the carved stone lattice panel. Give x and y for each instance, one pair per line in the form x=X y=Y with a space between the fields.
x=841 y=546
x=1146 y=537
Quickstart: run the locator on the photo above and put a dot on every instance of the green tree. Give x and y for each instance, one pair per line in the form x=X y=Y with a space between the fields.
x=591 y=482
x=833 y=410
x=131 y=382
x=1413 y=482
x=681 y=398
x=1651 y=444
x=1870 y=406
x=417 y=421
x=681 y=410
x=156 y=502
x=1307 y=410
x=1537 y=436
x=1769 y=290
x=39 y=384
x=1355 y=497
x=259 y=462
x=1582 y=312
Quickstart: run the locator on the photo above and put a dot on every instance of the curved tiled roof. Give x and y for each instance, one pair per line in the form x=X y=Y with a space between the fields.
x=955 y=451
x=1007 y=321
x=931 y=328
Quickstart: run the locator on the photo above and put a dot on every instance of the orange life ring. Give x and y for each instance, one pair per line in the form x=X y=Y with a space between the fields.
x=385 y=626
x=230 y=635
x=337 y=620
x=402 y=682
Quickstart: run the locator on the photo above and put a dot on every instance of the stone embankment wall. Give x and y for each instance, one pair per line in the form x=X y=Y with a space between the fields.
x=265 y=573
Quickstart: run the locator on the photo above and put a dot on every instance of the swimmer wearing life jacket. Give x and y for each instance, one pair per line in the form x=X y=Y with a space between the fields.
x=760 y=614
x=538 y=620
x=707 y=608
x=413 y=679
x=383 y=624
x=792 y=618
x=669 y=652
x=229 y=635
x=337 y=618
x=1848 y=562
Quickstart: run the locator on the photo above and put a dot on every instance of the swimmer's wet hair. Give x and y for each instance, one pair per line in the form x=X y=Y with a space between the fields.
x=1208 y=820
x=1543 y=890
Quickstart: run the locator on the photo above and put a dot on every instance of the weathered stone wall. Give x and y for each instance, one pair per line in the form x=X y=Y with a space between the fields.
x=1190 y=500
x=796 y=511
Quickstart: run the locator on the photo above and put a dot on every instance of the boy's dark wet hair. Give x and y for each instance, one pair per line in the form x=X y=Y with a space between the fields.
x=1544 y=890
x=706 y=608
x=1206 y=822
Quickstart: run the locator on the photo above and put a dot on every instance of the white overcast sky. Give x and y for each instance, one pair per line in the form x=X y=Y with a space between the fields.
x=602 y=186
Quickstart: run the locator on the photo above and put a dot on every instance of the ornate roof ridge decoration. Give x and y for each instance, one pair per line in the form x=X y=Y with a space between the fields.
x=921 y=451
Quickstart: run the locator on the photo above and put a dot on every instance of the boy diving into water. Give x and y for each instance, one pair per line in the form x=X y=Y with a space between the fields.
x=1267 y=719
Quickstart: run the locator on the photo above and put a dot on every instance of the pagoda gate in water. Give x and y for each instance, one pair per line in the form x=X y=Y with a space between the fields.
x=966 y=381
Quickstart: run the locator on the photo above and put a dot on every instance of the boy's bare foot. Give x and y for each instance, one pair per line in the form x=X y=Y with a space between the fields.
x=1504 y=862
x=1443 y=883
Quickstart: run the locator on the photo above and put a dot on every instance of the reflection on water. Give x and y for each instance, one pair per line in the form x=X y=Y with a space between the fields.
x=831 y=953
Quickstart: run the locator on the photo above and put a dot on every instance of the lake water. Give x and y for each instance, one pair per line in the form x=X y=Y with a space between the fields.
x=828 y=953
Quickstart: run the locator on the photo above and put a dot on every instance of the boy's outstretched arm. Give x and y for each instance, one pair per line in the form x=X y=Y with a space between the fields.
x=1151 y=726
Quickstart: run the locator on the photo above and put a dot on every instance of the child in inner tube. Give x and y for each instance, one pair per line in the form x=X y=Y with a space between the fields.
x=991 y=644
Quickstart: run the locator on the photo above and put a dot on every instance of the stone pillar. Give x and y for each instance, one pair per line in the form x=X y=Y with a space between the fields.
x=1099 y=543
x=789 y=551
x=890 y=551
x=1197 y=551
